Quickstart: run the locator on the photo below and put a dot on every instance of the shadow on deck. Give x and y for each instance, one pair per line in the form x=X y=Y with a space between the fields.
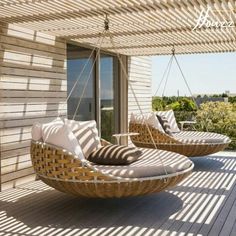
x=203 y=204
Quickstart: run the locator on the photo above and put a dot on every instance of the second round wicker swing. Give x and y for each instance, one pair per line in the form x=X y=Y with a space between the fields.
x=191 y=148
x=188 y=143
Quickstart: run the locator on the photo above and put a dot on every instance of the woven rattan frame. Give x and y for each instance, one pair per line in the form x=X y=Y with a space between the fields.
x=165 y=142
x=68 y=174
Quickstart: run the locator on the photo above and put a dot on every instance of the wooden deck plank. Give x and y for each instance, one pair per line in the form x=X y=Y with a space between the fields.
x=208 y=194
x=203 y=204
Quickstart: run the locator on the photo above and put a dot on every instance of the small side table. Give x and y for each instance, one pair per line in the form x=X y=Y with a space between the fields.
x=188 y=122
x=118 y=136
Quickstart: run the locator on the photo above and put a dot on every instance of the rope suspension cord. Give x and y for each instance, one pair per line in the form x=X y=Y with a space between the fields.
x=91 y=70
x=185 y=80
x=81 y=73
x=163 y=76
x=167 y=72
x=167 y=77
x=106 y=31
x=123 y=68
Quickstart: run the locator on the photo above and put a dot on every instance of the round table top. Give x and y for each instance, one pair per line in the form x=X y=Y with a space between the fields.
x=187 y=122
x=125 y=134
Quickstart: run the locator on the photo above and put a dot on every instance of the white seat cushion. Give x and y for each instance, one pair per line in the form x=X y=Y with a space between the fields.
x=149 y=118
x=73 y=124
x=149 y=165
x=170 y=116
x=37 y=128
x=59 y=134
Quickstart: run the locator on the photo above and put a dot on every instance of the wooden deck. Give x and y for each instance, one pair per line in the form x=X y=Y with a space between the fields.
x=203 y=204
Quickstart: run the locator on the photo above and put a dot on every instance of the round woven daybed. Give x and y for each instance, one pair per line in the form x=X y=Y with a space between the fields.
x=187 y=143
x=67 y=173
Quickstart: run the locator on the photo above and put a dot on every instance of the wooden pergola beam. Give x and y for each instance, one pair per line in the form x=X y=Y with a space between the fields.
x=136 y=25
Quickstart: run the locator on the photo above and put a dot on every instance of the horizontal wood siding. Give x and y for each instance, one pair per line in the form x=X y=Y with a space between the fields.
x=139 y=70
x=32 y=89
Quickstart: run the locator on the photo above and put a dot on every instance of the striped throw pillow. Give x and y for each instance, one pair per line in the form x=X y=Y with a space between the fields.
x=165 y=124
x=171 y=119
x=115 y=155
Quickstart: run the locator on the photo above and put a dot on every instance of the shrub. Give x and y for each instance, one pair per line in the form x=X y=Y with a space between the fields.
x=184 y=104
x=219 y=117
x=158 y=104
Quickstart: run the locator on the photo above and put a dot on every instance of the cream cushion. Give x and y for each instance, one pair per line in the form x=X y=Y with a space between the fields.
x=59 y=134
x=149 y=164
x=36 y=132
x=170 y=116
x=86 y=133
x=149 y=118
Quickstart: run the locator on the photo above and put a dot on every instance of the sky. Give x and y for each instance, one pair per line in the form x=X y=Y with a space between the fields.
x=206 y=74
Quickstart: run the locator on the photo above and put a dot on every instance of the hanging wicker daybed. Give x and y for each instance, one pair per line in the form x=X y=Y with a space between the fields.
x=66 y=173
x=154 y=171
x=188 y=143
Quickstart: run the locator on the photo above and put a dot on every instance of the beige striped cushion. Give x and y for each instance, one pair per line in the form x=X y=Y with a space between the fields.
x=170 y=116
x=115 y=155
x=191 y=137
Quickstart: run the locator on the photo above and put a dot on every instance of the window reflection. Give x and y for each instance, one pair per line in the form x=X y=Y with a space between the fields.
x=77 y=57
x=108 y=90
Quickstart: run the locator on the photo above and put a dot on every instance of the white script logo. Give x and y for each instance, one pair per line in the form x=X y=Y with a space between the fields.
x=204 y=21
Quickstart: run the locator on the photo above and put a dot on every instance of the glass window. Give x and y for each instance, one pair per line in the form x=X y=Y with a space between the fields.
x=77 y=57
x=85 y=93
x=108 y=95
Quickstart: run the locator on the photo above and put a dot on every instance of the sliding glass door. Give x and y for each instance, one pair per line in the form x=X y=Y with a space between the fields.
x=95 y=97
x=108 y=95
x=82 y=101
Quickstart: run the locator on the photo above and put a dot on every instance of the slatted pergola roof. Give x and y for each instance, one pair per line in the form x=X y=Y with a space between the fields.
x=139 y=27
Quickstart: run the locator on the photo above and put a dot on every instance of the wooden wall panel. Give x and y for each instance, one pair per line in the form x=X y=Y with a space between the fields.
x=32 y=89
x=139 y=70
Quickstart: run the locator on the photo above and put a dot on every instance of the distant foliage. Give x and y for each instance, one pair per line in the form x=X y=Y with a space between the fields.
x=174 y=103
x=232 y=99
x=184 y=104
x=219 y=117
x=158 y=104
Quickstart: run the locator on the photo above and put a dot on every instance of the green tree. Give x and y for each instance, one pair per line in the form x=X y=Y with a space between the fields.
x=184 y=104
x=158 y=104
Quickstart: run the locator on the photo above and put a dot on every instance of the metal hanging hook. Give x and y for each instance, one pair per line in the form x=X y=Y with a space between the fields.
x=106 y=23
x=173 y=50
